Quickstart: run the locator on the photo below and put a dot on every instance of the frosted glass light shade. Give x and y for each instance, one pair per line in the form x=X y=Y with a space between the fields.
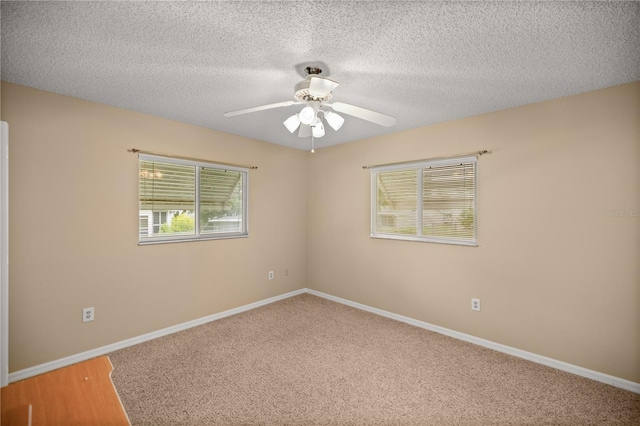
x=318 y=129
x=292 y=123
x=335 y=121
x=307 y=115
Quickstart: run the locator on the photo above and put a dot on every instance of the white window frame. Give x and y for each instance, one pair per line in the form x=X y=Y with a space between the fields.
x=420 y=165
x=197 y=236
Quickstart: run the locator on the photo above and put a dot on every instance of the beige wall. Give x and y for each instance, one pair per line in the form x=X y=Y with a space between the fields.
x=556 y=276
x=73 y=227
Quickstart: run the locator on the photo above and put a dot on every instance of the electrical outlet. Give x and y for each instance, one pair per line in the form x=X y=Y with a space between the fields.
x=87 y=314
x=286 y=272
x=475 y=305
x=270 y=275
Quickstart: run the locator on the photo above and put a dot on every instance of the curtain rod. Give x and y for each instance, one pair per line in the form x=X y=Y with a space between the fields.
x=139 y=151
x=481 y=152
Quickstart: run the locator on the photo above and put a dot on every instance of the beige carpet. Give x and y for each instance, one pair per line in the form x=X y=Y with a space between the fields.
x=310 y=361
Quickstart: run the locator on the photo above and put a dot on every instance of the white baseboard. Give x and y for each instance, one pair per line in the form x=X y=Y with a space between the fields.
x=83 y=356
x=549 y=362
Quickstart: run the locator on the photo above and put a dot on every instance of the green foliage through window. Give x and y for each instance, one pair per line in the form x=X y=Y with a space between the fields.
x=180 y=223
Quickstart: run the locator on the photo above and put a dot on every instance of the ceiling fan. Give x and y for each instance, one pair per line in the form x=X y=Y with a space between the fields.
x=315 y=92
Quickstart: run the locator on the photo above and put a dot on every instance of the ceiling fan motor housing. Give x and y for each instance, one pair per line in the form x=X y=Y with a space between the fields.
x=301 y=91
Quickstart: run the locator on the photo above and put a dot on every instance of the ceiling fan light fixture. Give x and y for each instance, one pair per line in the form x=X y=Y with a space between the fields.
x=313 y=93
x=335 y=121
x=307 y=115
x=292 y=123
x=317 y=129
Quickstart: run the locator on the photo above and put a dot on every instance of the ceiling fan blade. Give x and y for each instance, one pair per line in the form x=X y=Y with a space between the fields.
x=320 y=86
x=260 y=108
x=305 y=131
x=363 y=113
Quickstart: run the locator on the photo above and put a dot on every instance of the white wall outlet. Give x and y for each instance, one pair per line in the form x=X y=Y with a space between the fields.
x=87 y=314
x=270 y=275
x=286 y=272
x=475 y=305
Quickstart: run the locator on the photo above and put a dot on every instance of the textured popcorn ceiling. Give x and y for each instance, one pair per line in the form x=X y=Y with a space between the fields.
x=422 y=62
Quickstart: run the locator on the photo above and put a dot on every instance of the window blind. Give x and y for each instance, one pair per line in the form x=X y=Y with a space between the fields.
x=165 y=186
x=431 y=201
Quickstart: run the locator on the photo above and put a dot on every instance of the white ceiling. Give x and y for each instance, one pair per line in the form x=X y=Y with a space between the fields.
x=422 y=62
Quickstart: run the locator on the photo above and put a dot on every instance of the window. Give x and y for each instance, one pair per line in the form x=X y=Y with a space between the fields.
x=183 y=200
x=432 y=201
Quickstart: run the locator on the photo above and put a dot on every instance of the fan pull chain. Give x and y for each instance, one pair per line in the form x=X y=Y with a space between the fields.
x=312 y=149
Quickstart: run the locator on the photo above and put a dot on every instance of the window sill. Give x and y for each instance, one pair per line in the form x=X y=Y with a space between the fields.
x=424 y=239
x=186 y=240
